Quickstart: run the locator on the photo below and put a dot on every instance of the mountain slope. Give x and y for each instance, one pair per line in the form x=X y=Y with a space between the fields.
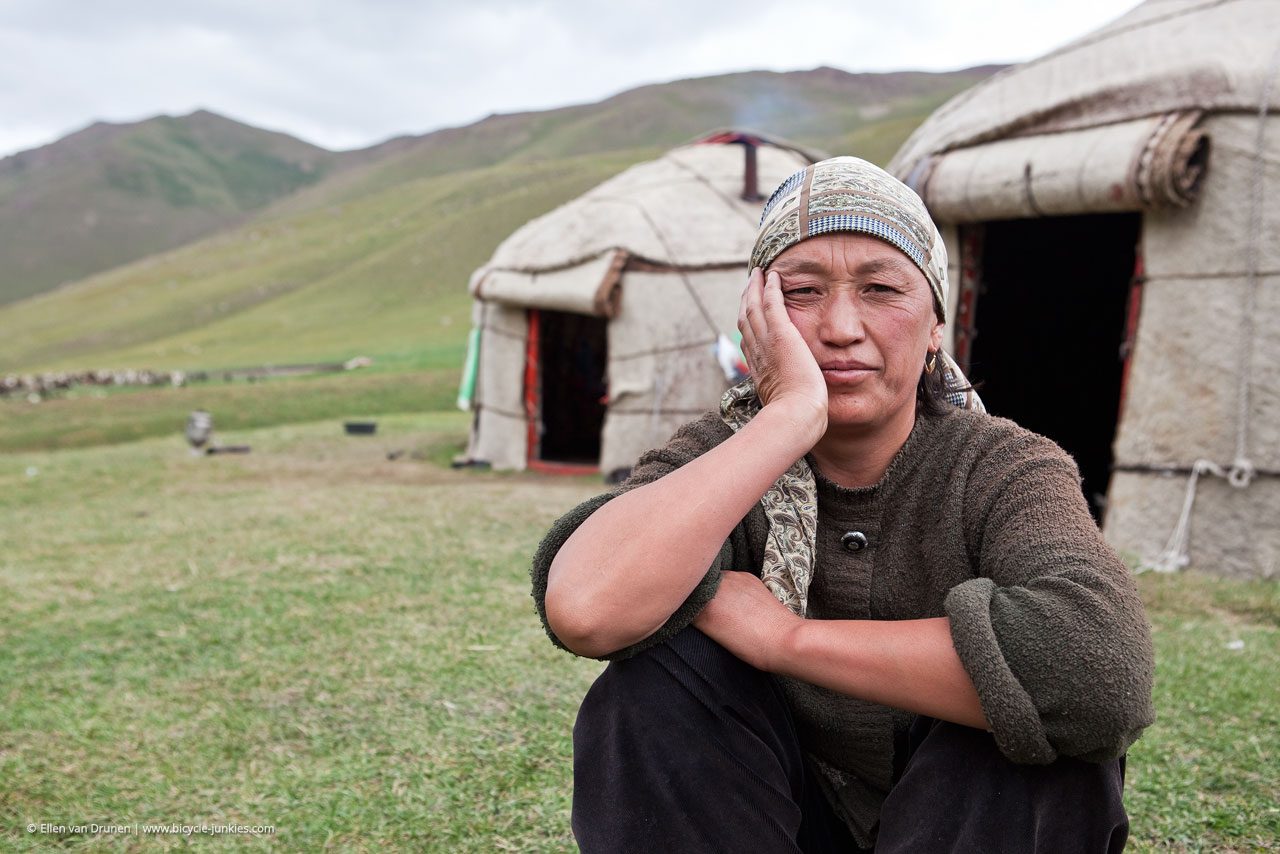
x=385 y=273
x=375 y=260
x=826 y=108
x=112 y=193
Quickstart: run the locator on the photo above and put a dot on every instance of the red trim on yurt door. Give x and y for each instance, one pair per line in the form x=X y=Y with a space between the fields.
x=1131 y=316
x=965 y=321
x=532 y=401
x=533 y=406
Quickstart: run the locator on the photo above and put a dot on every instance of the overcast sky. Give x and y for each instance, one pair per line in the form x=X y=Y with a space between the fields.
x=350 y=73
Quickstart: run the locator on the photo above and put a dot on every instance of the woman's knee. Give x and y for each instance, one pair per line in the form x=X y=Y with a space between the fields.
x=959 y=792
x=679 y=739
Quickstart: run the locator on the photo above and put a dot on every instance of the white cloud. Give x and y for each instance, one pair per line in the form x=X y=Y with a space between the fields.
x=346 y=74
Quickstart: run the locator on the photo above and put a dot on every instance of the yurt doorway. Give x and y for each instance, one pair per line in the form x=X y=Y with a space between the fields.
x=565 y=389
x=1048 y=328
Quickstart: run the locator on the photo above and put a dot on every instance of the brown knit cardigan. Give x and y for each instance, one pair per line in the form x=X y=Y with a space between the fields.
x=977 y=520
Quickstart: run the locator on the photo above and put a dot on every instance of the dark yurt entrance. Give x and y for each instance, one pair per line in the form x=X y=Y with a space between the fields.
x=566 y=393
x=1047 y=311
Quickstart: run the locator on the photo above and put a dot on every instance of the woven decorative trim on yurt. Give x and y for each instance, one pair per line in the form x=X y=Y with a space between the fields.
x=587 y=288
x=1159 y=58
x=1139 y=165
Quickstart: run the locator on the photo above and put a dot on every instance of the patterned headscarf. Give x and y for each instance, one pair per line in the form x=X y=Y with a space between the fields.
x=840 y=194
x=849 y=194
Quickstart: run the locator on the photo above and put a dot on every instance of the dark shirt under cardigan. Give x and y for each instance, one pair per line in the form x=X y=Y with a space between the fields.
x=977 y=520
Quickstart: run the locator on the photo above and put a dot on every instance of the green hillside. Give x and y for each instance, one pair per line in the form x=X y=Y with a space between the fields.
x=375 y=260
x=833 y=110
x=112 y=193
x=384 y=274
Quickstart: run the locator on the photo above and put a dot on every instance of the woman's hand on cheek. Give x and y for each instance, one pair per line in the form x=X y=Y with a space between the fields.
x=782 y=366
x=746 y=619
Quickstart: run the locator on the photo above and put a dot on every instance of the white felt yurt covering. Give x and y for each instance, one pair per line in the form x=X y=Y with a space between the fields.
x=659 y=252
x=1170 y=111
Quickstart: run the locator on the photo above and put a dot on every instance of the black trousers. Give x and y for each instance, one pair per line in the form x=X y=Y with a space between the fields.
x=687 y=748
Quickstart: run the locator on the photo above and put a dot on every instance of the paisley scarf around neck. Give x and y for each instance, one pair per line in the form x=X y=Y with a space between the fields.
x=791 y=504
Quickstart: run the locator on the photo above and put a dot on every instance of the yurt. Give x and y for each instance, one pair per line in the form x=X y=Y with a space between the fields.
x=602 y=326
x=1112 y=212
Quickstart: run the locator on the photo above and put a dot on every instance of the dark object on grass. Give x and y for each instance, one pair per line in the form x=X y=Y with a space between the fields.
x=228 y=449
x=361 y=428
x=396 y=454
x=464 y=462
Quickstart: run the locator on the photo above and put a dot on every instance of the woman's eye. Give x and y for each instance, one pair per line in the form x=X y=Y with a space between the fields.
x=800 y=291
x=883 y=289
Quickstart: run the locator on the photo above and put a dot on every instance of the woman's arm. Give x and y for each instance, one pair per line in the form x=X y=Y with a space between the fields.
x=907 y=664
x=1048 y=647
x=1052 y=631
x=631 y=564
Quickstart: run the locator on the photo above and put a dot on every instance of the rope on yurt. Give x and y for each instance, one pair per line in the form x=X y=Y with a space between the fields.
x=1175 y=556
x=659 y=392
x=1176 y=553
x=752 y=219
x=684 y=277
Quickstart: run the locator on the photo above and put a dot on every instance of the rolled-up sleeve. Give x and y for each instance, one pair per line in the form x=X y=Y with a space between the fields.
x=1052 y=632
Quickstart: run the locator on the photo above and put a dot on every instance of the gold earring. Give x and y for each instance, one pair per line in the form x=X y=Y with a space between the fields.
x=932 y=363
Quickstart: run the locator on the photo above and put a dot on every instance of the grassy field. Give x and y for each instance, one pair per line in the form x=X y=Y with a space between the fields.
x=88 y=416
x=340 y=645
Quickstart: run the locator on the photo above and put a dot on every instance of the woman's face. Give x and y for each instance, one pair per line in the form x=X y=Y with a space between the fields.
x=867 y=314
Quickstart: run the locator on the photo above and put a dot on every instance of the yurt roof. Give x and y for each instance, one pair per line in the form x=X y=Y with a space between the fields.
x=1109 y=122
x=1162 y=56
x=685 y=209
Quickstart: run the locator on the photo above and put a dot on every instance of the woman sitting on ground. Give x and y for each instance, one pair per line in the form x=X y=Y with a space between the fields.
x=850 y=609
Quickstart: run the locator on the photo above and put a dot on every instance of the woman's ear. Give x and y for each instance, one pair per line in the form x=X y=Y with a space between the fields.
x=935 y=336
